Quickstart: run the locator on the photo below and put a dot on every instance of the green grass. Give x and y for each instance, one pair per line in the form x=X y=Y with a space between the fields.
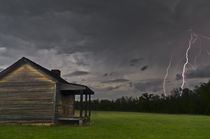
x=118 y=125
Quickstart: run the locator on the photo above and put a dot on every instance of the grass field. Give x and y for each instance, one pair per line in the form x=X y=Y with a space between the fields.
x=118 y=125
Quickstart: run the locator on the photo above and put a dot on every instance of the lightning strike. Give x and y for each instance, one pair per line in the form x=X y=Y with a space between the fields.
x=193 y=38
x=165 y=77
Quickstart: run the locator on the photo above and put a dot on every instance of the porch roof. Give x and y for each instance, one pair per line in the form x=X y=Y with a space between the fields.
x=75 y=89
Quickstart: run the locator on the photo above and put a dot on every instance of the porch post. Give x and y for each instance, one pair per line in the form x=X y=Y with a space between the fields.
x=89 y=105
x=81 y=103
x=85 y=105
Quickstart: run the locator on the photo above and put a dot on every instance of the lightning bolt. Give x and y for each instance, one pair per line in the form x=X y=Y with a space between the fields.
x=193 y=38
x=165 y=77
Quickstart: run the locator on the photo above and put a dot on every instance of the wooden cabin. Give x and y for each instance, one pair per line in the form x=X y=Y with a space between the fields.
x=32 y=94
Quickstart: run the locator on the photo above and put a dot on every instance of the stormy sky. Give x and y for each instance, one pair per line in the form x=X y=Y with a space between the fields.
x=116 y=47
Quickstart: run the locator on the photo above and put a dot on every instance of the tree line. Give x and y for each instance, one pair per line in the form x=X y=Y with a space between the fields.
x=196 y=101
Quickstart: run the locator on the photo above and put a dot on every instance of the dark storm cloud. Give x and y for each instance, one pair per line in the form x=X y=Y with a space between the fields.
x=119 y=35
x=77 y=73
x=144 y=68
x=111 y=74
x=135 y=61
x=105 y=74
x=112 y=88
x=201 y=72
x=98 y=24
x=150 y=85
x=116 y=81
x=109 y=20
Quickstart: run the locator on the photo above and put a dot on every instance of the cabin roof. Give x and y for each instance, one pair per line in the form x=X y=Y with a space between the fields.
x=65 y=85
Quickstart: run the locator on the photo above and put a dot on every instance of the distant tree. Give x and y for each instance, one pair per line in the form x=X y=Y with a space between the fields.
x=195 y=101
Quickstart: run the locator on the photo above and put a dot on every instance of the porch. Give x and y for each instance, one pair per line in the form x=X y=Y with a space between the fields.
x=83 y=94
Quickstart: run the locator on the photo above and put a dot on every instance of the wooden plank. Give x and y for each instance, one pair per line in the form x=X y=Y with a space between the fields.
x=25 y=84
x=25 y=105
x=27 y=93
x=24 y=102
x=28 y=89
x=25 y=121
x=26 y=111
x=19 y=117
x=8 y=115
x=26 y=98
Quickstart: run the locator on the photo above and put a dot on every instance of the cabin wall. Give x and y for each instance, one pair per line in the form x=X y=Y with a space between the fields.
x=27 y=96
x=65 y=105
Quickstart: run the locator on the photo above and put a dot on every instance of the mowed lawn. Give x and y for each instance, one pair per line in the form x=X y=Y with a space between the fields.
x=118 y=125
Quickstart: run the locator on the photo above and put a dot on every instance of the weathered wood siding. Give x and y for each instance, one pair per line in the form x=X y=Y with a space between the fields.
x=65 y=105
x=27 y=96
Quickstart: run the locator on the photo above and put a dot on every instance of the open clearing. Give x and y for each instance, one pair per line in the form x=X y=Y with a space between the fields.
x=122 y=125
